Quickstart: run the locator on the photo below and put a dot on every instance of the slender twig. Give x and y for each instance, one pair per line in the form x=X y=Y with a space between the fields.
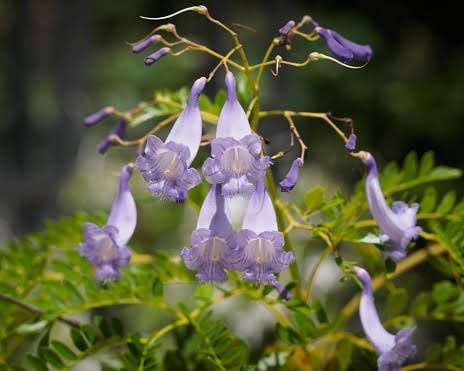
x=33 y=309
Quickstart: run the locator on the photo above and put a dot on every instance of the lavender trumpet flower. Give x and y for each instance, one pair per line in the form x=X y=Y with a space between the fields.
x=259 y=242
x=398 y=224
x=212 y=240
x=235 y=152
x=156 y=56
x=144 y=44
x=105 y=247
x=119 y=130
x=289 y=182
x=166 y=165
x=98 y=116
x=393 y=350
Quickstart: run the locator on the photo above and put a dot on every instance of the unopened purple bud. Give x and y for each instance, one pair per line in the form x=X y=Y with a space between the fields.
x=350 y=146
x=289 y=182
x=340 y=52
x=119 y=130
x=360 y=52
x=313 y=24
x=286 y=29
x=144 y=44
x=284 y=294
x=98 y=116
x=152 y=58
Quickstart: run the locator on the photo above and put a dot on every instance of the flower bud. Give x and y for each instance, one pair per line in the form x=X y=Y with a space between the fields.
x=98 y=116
x=152 y=58
x=289 y=182
x=144 y=44
x=350 y=146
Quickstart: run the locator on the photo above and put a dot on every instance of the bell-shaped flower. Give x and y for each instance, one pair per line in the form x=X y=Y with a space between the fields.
x=393 y=350
x=397 y=224
x=106 y=247
x=212 y=240
x=166 y=165
x=235 y=152
x=260 y=252
x=289 y=182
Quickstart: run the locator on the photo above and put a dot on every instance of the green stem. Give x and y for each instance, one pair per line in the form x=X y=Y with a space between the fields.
x=309 y=283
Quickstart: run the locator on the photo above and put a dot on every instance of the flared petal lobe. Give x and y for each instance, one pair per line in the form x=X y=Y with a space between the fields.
x=289 y=182
x=393 y=350
x=397 y=225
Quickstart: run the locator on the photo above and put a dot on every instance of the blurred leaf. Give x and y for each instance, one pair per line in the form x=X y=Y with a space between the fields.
x=37 y=363
x=51 y=357
x=78 y=339
x=343 y=353
x=444 y=292
x=314 y=199
x=397 y=302
x=63 y=350
x=31 y=328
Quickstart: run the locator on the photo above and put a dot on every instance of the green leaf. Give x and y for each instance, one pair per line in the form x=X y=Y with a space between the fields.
x=103 y=326
x=410 y=166
x=117 y=326
x=287 y=334
x=157 y=287
x=203 y=292
x=314 y=199
x=427 y=163
x=447 y=203
x=63 y=350
x=390 y=265
x=397 y=302
x=444 y=292
x=429 y=200
x=51 y=357
x=343 y=352
x=31 y=328
x=37 y=363
x=321 y=314
x=89 y=333
x=304 y=324
x=244 y=91
x=78 y=339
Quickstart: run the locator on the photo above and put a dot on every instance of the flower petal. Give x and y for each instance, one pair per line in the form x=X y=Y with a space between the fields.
x=260 y=215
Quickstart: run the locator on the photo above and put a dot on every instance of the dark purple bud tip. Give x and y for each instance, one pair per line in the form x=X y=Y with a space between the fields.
x=286 y=29
x=98 y=116
x=152 y=58
x=362 y=53
x=350 y=146
x=144 y=44
x=119 y=130
x=289 y=182
x=313 y=24
x=284 y=294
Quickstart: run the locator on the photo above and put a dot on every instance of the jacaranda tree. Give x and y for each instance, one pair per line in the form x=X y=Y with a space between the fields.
x=212 y=159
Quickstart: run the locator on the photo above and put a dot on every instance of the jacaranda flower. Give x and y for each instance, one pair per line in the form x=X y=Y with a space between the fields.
x=105 y=247
x=98 y=116
x=393 y=350
x=144 y=44
x=259 y=242
x=235 y=152
x=286 y=28
x=343 y=49
x=119 y=130
x=289 y=182
x=156 y=56
x=398 y=224
x=350 y=146
x=166 y=165
x=212 y=241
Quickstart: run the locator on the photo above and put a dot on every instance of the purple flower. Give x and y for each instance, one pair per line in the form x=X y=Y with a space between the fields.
x=259 y=242
x=350 y=146
x=119 y=130
x=289 y=182
x=156 y=56
x=166 y=165
x=398 y=224
x=343 y=49
x=98 y=116
x=393 y=350
x=286 y=28
x=144 y=44
x=235 y=152
x=105 y=247
x=212 y=240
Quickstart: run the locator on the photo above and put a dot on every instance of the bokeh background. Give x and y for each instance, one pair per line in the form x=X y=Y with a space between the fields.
x=62 y=60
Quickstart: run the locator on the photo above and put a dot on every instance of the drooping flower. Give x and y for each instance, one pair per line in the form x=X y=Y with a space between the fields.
x=156 y=56
x=166 y=165
x=119 y=130
x=144 y=44
x=398 y=224
x=343 y=49
x=289 y=182
x=393 y=350
x=235 y=152
x=98 y=116
x=350 y=146
x=259 y=242
x=106 y=247
x=212 y=241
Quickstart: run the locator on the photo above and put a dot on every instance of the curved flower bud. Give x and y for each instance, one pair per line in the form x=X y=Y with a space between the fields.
x=212 y=241
x=156 y=56
x=260 y=243
x=398 y=224
x=144 y=44
x=105 y=247
x=98 y=116
x=235 y=161
x=166 y=165
x=350 y=146
x=119 y=130
x=343 y=49
x=393 y=350
x=289 y=182
x=286 y=28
